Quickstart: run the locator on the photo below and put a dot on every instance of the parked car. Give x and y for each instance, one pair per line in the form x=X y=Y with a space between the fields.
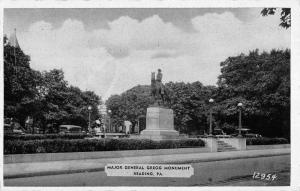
x=18 y=132
x=70 y=129
x=246 y=133
x=252 y=135
x=13 y=127
x=8 y=129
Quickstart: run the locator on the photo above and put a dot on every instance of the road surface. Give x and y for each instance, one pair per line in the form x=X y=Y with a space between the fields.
x=227 y=172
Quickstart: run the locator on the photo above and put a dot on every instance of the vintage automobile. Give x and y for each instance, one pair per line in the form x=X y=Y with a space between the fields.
x=246 y=133
x=70 y=129
x=252 y=135
x=8 y=129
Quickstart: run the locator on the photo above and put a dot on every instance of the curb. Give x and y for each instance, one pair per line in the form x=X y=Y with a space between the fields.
x=98 y=169
x=230 y=158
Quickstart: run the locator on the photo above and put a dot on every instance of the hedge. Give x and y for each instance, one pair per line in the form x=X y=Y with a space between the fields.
x=44 y=136
x=85 y=145
x=266 y=141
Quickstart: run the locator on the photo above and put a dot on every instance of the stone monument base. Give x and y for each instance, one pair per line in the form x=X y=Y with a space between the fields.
x=159 y=124
x=159 y=134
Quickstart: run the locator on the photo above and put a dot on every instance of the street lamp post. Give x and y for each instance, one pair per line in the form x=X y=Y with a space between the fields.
x=210 y=117
x=109 y=122
x=89 y=109
x=138 y=125
x=104 y=126
x=240 y=119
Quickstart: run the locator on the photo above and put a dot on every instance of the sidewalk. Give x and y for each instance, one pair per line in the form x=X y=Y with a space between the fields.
x=17 y=170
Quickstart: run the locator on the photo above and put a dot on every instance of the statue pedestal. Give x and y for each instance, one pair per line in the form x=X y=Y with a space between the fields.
x=159 y=124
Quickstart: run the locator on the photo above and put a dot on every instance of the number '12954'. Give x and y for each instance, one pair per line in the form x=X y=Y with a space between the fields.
x=264 y=176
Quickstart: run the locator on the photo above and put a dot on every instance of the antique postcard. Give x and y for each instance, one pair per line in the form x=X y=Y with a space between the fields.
x=104 y=95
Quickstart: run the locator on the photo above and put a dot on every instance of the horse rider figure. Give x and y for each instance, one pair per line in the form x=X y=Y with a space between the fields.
x=158 y=90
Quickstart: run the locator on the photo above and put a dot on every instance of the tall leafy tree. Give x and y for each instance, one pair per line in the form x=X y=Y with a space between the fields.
x=19 y=84
x=261 y=81
x=130 y=105
x=63 y=104
x=190 y=104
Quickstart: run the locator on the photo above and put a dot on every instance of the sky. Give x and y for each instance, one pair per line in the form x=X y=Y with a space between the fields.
x=110 y=51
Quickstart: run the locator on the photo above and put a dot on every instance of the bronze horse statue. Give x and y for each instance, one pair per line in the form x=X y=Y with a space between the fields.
x=159 y=92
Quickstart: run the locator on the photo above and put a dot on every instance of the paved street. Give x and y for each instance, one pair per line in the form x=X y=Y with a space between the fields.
x=283 y=180
x=237 y=171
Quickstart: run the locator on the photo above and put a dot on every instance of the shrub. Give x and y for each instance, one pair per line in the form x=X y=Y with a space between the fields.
x=44 y=136
x=84 y=145
x=266 y=141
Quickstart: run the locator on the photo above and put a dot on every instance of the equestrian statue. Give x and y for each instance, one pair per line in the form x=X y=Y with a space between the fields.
x=158 y=91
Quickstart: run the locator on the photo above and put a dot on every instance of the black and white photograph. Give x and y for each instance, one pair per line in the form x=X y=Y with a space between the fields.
x=147 y=97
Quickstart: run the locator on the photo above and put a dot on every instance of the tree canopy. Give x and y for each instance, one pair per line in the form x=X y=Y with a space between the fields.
x=285 y=15
x=261 y=81
x=130 y=105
